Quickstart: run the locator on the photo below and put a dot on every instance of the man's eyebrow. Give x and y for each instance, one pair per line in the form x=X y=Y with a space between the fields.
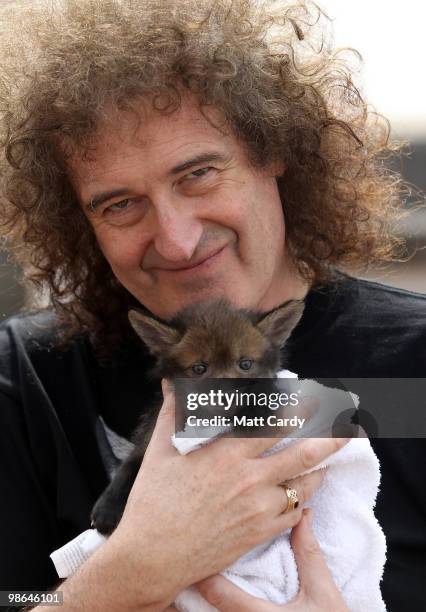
x=202 y=158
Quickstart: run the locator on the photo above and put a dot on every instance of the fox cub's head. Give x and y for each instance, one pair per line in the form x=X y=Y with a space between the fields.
x=216 y=340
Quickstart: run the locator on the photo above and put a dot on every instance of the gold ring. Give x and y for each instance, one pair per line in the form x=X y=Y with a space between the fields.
x=292 y=499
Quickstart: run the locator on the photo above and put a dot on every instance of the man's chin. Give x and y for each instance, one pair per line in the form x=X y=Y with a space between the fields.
x=200 y=295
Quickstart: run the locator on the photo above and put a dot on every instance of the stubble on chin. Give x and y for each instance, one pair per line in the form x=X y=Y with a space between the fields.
x=190 y=292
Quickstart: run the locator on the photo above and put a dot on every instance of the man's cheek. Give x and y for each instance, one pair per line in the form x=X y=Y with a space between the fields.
x=122 y=254
x=124 y=266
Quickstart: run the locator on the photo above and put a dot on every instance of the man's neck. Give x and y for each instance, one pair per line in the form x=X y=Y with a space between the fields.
x=291 y=286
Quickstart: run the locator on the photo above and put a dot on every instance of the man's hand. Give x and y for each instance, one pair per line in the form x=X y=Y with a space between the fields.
x=197 y=514
x=317 y=593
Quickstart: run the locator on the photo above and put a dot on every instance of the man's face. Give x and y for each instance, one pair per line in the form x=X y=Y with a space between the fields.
x=182 y=217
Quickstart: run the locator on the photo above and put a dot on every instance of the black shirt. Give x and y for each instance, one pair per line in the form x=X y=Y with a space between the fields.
x=51 y=468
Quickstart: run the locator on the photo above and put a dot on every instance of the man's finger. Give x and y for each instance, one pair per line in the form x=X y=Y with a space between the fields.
x=165 y=425
x=305 y=486
x=299 y=457
x=247 y=447
x=315 y=578
x=227 y=597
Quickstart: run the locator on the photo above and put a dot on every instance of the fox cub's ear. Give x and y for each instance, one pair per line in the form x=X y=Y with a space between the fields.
x=278 y=324
x=159 y=337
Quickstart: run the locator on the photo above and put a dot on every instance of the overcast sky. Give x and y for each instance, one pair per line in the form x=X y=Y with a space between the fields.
x=391 y=36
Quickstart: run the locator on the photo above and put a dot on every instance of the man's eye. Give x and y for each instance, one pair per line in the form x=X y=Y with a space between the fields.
x=199 y=173
x=125 y=212
x=118 y=206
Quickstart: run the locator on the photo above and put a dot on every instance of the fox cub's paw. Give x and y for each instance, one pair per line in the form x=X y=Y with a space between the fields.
x=106 y=513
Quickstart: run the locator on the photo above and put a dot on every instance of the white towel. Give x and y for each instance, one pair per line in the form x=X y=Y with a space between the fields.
x=350 y=537
x=346 y=528
x=343 y=521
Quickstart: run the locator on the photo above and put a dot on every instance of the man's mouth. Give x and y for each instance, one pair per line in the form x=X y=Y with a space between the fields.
x=203 y=262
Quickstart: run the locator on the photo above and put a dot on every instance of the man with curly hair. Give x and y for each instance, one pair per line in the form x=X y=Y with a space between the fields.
x=164 y=153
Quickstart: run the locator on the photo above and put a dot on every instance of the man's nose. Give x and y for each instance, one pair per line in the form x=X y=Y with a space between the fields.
x=178 y=233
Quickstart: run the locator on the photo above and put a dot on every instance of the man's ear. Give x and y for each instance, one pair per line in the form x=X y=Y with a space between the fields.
x=278 y=324
x=159 y=337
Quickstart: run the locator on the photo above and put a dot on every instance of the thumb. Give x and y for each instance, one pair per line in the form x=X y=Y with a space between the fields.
x=226 y=597
x=165 y=426
x=316 y=580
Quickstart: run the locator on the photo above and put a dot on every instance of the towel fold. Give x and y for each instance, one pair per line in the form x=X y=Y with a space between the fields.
x=70 y=556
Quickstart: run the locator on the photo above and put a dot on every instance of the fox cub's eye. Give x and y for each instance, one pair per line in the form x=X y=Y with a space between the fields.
x=245 y=364
x=199 y=368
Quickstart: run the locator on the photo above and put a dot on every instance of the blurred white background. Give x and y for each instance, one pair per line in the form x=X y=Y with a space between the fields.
x=391 y=37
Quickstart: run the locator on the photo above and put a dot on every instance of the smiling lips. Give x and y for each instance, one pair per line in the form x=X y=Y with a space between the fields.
x=197 y=264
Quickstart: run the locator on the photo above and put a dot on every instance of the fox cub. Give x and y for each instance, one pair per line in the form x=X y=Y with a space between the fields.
x=209 y=340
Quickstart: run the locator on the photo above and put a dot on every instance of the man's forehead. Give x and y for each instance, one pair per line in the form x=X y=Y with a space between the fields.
x=124 y=138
